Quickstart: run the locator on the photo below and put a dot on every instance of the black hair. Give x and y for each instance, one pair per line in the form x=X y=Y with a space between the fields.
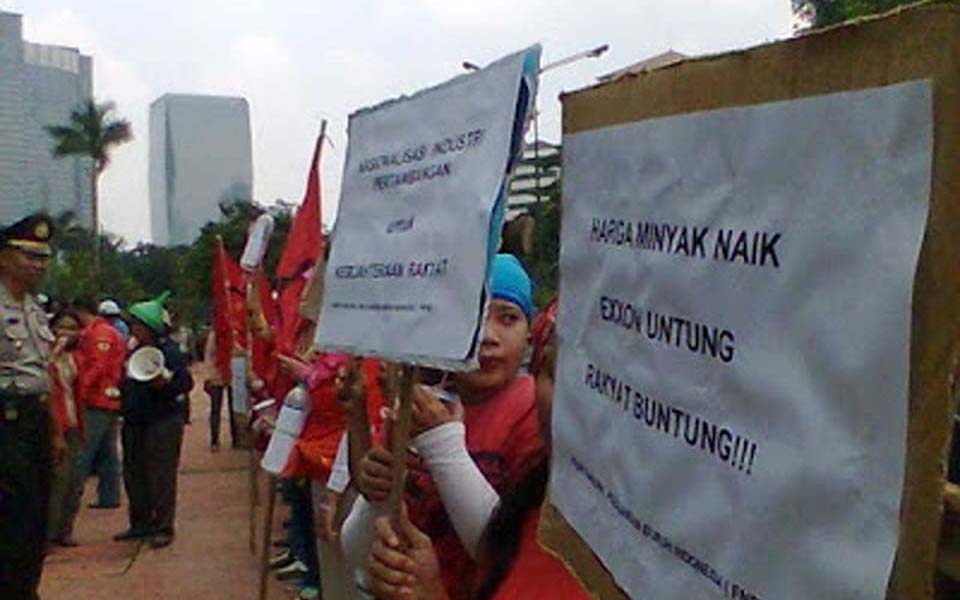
x=84 y=304
x=65 y=313
x=501 y=538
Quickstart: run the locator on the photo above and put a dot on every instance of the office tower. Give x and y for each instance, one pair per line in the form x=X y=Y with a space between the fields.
x=200 y=156
x=39 y=86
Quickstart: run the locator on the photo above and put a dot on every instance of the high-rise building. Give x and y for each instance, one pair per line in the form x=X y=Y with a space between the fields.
x=535 y=177
x=200 y=156
x=39 y=86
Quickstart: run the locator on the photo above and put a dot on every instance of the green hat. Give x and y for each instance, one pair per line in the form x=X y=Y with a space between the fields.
x=151 y=313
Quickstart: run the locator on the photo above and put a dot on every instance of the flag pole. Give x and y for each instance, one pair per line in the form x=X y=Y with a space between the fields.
x=252 y=453
x=311 y=296
x=267 y=534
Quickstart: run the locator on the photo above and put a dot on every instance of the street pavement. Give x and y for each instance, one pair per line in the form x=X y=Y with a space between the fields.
x=210 y=557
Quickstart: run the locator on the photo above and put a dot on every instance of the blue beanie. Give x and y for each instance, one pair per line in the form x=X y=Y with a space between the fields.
x=511 y=283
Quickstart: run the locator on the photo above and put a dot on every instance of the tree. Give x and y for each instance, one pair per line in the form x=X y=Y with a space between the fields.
x=820 y=13
x=70 y=276
x=129 y=275
x=537 y=178
x=192 y=289
x=93 y=131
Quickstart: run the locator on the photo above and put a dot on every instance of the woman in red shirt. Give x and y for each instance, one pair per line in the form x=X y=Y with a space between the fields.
x=491 y=434
x=511 y=563
x=68 y=474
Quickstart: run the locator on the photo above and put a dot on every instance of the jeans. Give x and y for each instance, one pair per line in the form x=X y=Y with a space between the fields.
x=101 y=455
x=303 y=540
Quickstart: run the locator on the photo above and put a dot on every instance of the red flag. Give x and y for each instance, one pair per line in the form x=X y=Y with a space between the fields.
x=304 y=246
x=237 y=297
x=222 y=321
x=264 y=316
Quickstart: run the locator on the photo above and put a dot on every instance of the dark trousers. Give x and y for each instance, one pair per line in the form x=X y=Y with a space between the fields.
x=151 y=455
x=303 y=541
x=24 y=495
x=216 y=393
x=67 y=477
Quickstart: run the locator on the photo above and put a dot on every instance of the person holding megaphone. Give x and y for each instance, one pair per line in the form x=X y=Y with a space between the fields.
x=154 y=393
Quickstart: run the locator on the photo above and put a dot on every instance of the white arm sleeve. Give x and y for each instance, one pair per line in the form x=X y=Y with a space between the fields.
x=357 y=537
x=340 y=472
x=468 y=497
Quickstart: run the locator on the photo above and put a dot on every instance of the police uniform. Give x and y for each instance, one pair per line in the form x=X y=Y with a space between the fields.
x=25 y=345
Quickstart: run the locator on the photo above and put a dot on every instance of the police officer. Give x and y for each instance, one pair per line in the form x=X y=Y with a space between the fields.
x=30 y=437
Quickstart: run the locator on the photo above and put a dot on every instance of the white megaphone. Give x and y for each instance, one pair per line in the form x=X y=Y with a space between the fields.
x=146 y=364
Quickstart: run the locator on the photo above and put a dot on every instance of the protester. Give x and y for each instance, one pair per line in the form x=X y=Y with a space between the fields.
x=100 y=357
x=216 y=387
x=69 y=474
x=300 y=563
x=511 y=562
x=499 y=429
x=30 y=439
x=153 y=420
x=183 y=337
x=311 y=459
x=110 y=310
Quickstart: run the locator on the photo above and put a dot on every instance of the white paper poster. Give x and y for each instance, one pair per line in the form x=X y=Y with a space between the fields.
x=411 y=248
x=731 y=409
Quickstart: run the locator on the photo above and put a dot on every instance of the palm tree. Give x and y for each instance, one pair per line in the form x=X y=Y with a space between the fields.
x=93 y=132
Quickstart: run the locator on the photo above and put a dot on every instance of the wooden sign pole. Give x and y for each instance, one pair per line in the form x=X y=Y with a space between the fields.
x=400 y=440
x=252 y=451
x=267 y=532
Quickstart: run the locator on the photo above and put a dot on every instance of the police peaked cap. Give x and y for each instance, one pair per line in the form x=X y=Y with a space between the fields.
x=31 y=234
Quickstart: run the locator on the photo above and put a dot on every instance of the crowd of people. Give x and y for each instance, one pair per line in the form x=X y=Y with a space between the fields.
x=477 y=458
x=69 y=405
x=476 y=478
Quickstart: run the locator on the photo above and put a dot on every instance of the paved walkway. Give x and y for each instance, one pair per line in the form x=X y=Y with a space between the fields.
x=209 y=559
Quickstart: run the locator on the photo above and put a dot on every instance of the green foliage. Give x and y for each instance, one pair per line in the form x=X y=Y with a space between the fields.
x=92 y=131
x=193 y=286
x=146 y=270
x=70 y=274
x=543 y=261
x=820 y=13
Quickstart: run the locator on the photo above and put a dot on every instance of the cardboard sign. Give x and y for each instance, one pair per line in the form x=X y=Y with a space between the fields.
x=420 y=211
x=705 y=519
x=738 y=342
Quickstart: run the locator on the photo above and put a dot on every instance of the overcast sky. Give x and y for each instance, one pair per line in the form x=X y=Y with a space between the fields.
x=299 y=61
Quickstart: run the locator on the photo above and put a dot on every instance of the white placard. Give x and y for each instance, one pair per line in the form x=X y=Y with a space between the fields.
x=420 y=211
x=731 y=409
